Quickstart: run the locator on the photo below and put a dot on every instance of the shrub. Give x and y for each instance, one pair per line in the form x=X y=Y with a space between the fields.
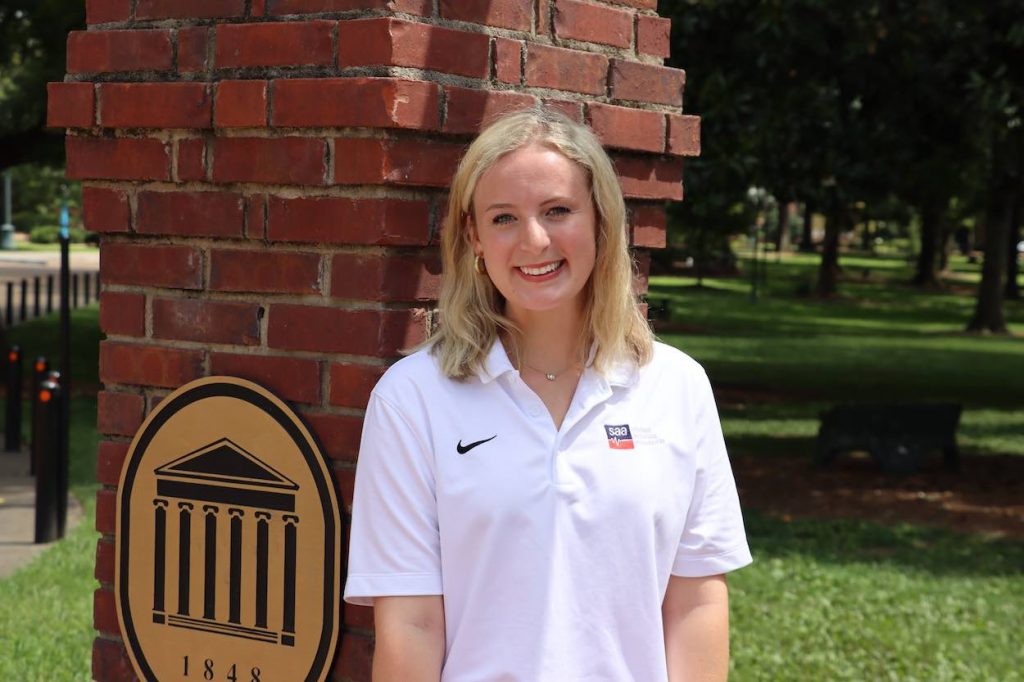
x=50 y=234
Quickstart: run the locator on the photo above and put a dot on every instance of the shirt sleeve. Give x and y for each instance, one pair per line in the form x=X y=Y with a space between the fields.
x=394 y=546
x=713 y=539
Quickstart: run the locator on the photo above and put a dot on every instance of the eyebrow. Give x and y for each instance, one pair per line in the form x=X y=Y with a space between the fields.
x=552 y=200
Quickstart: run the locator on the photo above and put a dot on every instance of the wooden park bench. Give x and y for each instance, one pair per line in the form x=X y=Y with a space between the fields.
x=898 y=436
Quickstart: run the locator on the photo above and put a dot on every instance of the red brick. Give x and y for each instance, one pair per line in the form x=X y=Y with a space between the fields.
x=338 y=434
x=119 y=414
x=377 y=277
x=593 y=23
x=70 y=105
x=136 y=50
x=109 y=460
x=104 y=571
x=191 y=159
x=117 y=158
x=299 y=43
x=508 y=60
x=683 y=135
x=265 y=271
x=191 y=214
x=256 y=216
x=110 y=660
x=391 y=42
x=123 y=363
x=573 y=110
x=105 y=210
x=369 y=102
x=104 y=612
x=282 y=160
x=470 y=110
x=355 y=661
x=106 y=505
x=339 y=220
x=107 y=11
x=351 y=383
x=241 y=104
x=189 y=9
x=561 y=69
x=514 y=14
x=258 y=8
x=646 y=178
x=398 y=162
x=155 y=105
x=652 y=35
x=345 y=480
x=278 y=7
x=325 y=329
x=166 y=265
x=647 y=83
x=122 y=313
x=296 y=379
x=193 y=46
x=627 y=128
x=189 y=319
x=648 y=226
x=358 y=617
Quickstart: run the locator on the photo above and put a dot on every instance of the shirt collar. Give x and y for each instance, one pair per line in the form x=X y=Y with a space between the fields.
x=496 y=364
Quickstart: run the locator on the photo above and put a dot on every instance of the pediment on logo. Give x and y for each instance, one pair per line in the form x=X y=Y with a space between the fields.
x=225 y=462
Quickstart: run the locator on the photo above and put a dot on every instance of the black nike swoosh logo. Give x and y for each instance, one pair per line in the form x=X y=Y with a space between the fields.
x=463 y=449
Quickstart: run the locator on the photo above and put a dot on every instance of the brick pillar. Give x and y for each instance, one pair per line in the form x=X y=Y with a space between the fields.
x=268 y=177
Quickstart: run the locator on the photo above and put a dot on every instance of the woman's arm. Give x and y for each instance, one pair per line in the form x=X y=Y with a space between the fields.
x=695 y=613
x=410 y=639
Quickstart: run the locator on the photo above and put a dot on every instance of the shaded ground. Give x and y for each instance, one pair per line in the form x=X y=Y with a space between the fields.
x=986 y=496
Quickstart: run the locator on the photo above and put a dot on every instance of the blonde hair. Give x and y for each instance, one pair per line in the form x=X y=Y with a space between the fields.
x=471 y=308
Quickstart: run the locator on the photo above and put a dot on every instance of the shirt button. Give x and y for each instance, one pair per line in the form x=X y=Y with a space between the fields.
x=534 y=411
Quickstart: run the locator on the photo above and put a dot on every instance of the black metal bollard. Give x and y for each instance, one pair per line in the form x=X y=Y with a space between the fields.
x=40 y=368
x=12 y=427
x=49 y=294
x=74 y=290
x=35 y=292
x=9 y=310
x=50 y=513
x=86 y=289
x=23 y=312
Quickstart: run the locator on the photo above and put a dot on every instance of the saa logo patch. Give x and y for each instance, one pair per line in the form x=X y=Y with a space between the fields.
x=619 y=437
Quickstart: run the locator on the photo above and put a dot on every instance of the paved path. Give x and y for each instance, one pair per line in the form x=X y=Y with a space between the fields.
x=17 y=513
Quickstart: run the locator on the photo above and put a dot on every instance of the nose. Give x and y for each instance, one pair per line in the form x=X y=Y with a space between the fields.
x=535 y=236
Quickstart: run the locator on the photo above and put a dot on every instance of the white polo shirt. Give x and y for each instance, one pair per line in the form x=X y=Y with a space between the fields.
x=552 y=547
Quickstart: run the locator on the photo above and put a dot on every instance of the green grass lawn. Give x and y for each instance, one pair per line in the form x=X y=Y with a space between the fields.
x=824 y=600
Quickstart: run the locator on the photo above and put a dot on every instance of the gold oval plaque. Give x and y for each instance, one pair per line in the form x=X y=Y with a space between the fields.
x=228 y=540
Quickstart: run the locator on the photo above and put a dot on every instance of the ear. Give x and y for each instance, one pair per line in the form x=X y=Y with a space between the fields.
x=471 y=235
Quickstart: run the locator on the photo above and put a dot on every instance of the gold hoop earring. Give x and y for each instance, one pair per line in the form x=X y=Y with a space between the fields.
x=479 y=265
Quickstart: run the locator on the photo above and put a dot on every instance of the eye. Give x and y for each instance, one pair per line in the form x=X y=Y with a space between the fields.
x=502 y=219
x=560 y=210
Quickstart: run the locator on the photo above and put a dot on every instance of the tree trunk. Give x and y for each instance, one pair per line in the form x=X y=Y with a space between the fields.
x=1012 y=265
x=782 y=238
x=931 y=229
x=806 y=238
x=828 y=271
x=988 y=312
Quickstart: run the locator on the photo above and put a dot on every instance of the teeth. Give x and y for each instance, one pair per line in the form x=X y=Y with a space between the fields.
x=541 y=271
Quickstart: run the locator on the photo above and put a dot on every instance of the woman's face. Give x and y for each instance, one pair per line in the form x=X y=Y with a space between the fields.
x=534 y=226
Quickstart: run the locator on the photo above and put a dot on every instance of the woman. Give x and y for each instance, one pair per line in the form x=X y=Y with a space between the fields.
x=543 y=492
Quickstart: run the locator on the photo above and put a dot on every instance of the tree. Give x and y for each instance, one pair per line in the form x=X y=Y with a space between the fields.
x=33 y=35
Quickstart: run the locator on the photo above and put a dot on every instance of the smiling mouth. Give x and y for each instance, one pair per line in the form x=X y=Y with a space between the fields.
x=536 y=271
